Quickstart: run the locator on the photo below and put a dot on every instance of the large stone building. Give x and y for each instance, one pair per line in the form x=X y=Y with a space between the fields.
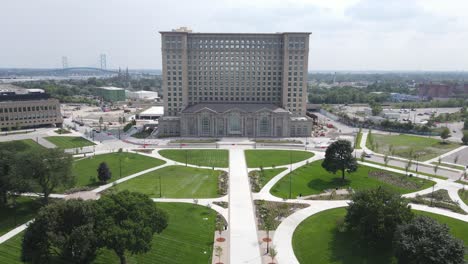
x=28 y=108
x=235 y=84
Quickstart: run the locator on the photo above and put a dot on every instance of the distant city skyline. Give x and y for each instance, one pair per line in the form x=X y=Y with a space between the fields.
x=347 y=35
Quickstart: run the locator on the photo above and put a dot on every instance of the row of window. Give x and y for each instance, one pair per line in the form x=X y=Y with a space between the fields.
x=27 y=109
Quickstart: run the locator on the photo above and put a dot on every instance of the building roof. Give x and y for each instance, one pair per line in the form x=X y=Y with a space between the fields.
x=224 y=107
x=154 y=110
x=234 y=33
x=111 y=88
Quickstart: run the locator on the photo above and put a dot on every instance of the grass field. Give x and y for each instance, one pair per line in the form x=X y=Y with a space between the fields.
x=21 y=145
x=409 y=171
x=357 y=144
x=269 y=174
x=187 y=239
x=313 y=179
x=269 y=158
x=201 y=157
x=457 y=167
x=69 y=142
x=176 y=182
x=317 y=240
x=85 y=170
x=26 y=208
x=425 y=148
x=463 y=193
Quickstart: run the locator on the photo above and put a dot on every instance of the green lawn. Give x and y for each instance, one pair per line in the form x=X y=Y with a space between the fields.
x=317 y=240
x=21 y=145
x=85 y=170
x=409 y=171
x=457 y=167
x=313 y=179
x=187 y=239
x=269 y=158
x=201 y=157
x=176 y=182
x=26 y=208
x=269 y=174
x=425 y=148
x=463 y=193
x=357 y=144
x=69 y=142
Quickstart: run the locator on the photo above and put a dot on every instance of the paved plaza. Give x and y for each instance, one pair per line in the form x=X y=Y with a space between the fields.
x=243 y=240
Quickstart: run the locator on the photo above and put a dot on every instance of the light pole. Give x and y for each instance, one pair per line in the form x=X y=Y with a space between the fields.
x=160 y=191
x=120 y=165
x=290 y=172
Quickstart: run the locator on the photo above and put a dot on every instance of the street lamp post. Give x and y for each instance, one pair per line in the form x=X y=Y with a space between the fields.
x=160 y=191
x=120 y=165
x=290 y=172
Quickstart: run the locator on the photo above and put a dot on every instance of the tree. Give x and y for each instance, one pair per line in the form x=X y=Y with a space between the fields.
x=218 y=253
x=465 y=138
x=273 y=252
x=424 y=240
x=386 y=159
x=376 y=108
x=101 y=121
x=9 y=182
x=339 y=156
x=124 y=120
x=408 y=165
x=268 y=225
x=375 y=215
x=465 y=124
x=64 y=229
x=127 y=222
x=120 y=120
x=445 y=133
x=47 y=168
x=104 y=173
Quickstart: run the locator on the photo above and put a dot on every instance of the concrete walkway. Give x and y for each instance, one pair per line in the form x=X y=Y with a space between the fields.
x=244 y=244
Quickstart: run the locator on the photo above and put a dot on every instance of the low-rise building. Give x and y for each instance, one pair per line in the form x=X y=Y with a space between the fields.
x=111 y=94
x=28 y=108
x=152 y=113
x=142 y=95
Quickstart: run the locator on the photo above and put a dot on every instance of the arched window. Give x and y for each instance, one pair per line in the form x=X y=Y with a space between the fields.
x=264 y=125
x=205 y=124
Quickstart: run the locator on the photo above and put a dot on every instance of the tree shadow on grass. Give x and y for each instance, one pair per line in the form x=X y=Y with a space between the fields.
x=345 y=248
x=320 y=185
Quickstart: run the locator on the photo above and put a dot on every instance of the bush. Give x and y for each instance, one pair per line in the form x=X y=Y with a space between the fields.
x=376 y=214
x=424 y=240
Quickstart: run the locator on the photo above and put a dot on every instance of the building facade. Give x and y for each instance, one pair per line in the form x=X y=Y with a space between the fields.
x=111 y=94
x=224 y=75
x=28 y=110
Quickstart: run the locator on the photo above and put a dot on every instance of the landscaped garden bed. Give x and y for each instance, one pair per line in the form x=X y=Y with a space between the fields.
x=313 y=179
x=439 y=198
x=259 y=178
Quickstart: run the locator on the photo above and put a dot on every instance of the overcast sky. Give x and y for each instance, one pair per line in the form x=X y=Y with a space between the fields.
x=346 y=34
